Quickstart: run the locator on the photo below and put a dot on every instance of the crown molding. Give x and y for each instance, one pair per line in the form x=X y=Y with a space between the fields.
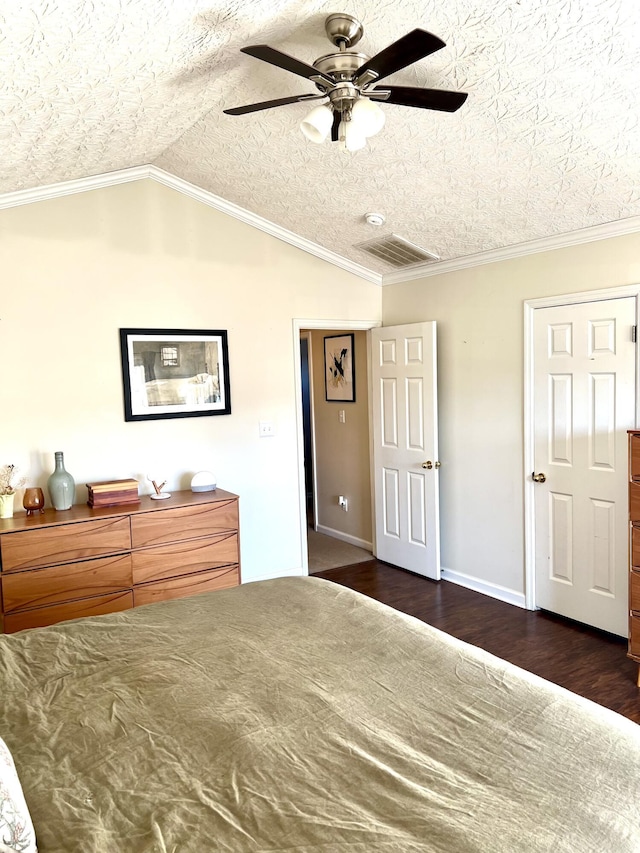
x=618 y=228
x=265 y=225
x=137 y=173
x=94 y=182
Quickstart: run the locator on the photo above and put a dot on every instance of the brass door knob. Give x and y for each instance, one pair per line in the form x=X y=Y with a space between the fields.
x=429 y=464
x=538 y=478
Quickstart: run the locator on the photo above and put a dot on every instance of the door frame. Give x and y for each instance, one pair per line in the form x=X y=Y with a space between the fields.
x=530 y=307
x=304 y=335
x=299 y=325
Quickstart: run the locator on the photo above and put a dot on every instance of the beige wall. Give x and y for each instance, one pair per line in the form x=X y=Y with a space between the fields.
x=342 y=449
x=479 y=313
x=76 y=269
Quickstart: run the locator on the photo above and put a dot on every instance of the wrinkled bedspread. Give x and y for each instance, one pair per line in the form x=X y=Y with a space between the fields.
x=297 y=715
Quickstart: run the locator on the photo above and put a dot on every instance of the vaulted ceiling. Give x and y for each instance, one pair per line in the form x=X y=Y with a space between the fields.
x=547 y=142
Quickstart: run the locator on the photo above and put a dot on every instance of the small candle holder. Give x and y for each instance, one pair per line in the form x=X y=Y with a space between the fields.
x=33 y=501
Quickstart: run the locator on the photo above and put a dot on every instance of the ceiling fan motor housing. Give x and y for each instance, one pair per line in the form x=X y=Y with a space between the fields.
x=340 y=65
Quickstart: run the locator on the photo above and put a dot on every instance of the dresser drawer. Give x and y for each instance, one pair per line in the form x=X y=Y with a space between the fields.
x=173 y=525
x=634 y=591
x=42 y=616
x=39 y=587
x=64 y=543
x=635 y=545
x=634 y=636
x=181 y=558
x=188 y=585
x=634 y=501
x=634 y=457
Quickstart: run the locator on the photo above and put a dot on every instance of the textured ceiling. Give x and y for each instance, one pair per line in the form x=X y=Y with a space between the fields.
x=547 y=142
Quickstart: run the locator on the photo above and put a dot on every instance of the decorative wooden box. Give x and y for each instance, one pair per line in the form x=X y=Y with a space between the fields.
x=113 y=493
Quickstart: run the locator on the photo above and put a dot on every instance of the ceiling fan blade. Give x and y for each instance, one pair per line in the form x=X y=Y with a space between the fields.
x=410 y=48
x=265 y=105
x=335 y=127
x=283 y=60
x=426 y=99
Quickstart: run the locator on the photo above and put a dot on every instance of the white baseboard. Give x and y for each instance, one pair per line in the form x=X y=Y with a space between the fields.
x=344 y=537
x=502 y=593
x=509 y=596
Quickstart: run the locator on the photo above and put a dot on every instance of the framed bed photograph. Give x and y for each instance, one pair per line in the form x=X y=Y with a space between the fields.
x=174 y=373
x=339 y=369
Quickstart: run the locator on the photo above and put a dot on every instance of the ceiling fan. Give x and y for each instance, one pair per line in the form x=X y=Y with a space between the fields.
x=349 y=81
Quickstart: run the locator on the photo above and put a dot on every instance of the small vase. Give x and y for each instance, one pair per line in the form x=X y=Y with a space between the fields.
x=33 y=501
x=61 y=485
x=6 y=505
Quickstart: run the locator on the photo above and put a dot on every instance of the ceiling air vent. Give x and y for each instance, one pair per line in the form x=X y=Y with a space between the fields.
x=397 y=251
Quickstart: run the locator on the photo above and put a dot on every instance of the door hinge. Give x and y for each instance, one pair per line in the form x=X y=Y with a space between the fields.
x=634 y=334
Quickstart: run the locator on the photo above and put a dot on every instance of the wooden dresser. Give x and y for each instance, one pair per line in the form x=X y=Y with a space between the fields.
x=634 y=547
x=84 y=561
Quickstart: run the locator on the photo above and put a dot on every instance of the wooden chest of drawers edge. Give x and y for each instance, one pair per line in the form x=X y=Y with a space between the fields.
x=634 y=524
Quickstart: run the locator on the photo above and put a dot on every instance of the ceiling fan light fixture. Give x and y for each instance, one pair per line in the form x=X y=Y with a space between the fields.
x=346 y=78
x=350 y=136
x=368 y=116
x=317 y=124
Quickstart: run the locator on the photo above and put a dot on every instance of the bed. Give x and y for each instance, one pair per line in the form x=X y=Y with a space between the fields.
x=298 y=715
x=191 y=390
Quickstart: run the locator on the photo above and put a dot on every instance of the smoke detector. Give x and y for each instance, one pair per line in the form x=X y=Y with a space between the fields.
x=376 y=219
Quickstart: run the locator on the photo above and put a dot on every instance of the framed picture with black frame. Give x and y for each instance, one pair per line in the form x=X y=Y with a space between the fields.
x=339 y=369
x=174 y=373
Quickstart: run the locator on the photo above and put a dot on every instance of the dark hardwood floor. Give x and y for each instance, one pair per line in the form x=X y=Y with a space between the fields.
x=582 y=659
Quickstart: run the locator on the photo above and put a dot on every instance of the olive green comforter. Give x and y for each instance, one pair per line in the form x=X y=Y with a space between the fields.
x=296 y=715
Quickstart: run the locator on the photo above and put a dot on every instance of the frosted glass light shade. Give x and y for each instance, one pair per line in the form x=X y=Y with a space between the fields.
x=368 y=117
x=317 y=124
x=350 y=136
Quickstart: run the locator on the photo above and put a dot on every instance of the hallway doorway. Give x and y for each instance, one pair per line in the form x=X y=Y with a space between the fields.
x=327 y=552
x=334 y=458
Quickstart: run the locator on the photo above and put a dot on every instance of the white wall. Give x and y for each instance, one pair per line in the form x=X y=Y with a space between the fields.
x=76 y=269
x=479 y=312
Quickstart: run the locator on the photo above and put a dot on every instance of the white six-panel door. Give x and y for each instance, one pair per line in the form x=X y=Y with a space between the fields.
x=405 y=441
x=584 y=401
